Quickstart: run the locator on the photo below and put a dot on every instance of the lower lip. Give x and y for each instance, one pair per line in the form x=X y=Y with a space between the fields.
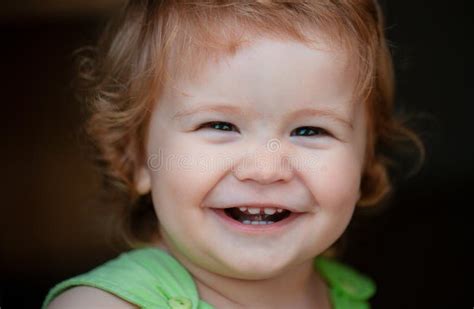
x=255 y=228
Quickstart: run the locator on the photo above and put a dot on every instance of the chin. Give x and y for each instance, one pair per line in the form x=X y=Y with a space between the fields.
x=254 y=267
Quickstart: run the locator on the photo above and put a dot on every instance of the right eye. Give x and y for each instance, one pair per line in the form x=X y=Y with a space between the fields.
x=218 y=125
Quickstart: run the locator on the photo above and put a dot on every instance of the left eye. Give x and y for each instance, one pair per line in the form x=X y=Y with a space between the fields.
x=219 y=125
x=310 y=131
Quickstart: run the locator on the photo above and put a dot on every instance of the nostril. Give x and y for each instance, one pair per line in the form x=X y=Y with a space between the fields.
x=264 y=172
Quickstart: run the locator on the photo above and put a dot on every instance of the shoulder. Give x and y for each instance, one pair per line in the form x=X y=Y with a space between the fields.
x=146 y=277
x=88 y=297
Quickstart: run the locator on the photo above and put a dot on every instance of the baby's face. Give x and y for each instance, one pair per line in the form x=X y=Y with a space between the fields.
x=284 y=132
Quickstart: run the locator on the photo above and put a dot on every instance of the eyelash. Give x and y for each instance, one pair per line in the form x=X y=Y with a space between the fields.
x=211 y=123
x=208 y=124
x=321 y=131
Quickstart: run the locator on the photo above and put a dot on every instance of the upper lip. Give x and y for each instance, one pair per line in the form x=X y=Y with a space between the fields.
x=260 y=205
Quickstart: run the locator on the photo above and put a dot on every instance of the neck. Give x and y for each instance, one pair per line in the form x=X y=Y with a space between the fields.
x=300 y=287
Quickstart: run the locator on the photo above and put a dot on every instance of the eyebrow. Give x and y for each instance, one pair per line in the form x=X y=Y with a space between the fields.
x=305 y=112
x=208 y=108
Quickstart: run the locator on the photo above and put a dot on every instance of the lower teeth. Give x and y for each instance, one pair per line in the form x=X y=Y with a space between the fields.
x=257 y=222
x=255 y=219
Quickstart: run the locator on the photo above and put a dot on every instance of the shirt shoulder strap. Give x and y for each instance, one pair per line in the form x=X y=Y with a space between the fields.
x=348 y=287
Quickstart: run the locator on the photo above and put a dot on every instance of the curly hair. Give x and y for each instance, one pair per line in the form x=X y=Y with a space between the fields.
x=149 y=42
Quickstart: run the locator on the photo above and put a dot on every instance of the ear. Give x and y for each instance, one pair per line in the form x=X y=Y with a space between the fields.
x=143 y=180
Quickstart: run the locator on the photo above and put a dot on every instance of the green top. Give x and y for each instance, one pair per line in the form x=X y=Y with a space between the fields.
x=151 y=278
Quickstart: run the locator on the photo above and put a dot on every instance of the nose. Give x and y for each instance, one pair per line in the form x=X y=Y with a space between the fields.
x=266 y=165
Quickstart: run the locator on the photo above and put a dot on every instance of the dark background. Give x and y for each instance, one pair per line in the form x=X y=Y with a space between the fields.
x=51 y=227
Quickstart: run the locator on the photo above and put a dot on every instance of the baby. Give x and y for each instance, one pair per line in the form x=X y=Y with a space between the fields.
x=250 y=130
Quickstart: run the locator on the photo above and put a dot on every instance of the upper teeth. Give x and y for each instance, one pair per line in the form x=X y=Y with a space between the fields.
x=256 y=211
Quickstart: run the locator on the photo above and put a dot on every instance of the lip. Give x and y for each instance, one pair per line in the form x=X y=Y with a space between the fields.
x=255 y=229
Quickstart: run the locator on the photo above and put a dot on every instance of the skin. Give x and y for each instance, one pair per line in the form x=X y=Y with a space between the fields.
x=87 y=297
x=317 y=173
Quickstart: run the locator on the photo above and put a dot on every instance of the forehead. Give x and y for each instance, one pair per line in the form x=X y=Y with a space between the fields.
x=198 y=43
x=208 y=37
x=270 y=65
x=269 y=78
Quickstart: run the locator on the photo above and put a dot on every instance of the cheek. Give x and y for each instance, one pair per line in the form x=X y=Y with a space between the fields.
x=182 y=174
x=336 y=182
x=177 y=193
x=173 y=178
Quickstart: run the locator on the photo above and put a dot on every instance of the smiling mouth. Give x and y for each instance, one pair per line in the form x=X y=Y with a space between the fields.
x=257 y=216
